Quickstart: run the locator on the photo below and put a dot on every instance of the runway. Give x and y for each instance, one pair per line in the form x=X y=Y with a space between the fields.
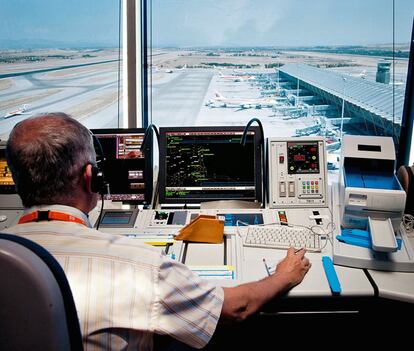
x=178 y=100
x=177 y=97
x=89 y=94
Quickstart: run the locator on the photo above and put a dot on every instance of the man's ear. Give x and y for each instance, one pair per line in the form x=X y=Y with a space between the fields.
x=87 y=178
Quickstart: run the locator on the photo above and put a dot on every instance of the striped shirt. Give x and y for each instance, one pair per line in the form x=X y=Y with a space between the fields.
x=125 y=291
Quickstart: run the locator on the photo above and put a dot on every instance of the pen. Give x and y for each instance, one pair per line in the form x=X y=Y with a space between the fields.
x=267 y=267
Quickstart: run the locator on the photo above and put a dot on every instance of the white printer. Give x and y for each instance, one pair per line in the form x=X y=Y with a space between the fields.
x=368 y=185
x=371 y=206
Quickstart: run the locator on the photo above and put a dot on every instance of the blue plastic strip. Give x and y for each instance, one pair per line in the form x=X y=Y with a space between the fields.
x=359 y=237
x=356 y=233
x=354 y=241
x=331 y=275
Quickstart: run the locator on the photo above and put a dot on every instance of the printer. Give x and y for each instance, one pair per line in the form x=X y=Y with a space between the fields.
x=368 y=184
x=371 y=205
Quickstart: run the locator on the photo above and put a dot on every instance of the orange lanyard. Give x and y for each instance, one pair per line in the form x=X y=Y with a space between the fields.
x=37 y=216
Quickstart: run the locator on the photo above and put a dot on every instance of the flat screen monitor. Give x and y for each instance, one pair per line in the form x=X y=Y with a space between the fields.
x=6 y=181
x=128 y=171
x=199 y=164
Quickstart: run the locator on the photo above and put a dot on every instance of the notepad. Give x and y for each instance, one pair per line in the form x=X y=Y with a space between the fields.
x=224 y=272
x=154 y=240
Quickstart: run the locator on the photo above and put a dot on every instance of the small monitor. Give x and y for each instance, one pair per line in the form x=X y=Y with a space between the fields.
x=128 y=171
x=199 y=164
x=6 y=181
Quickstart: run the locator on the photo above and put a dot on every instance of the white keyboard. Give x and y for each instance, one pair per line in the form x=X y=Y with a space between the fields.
x=282 y=237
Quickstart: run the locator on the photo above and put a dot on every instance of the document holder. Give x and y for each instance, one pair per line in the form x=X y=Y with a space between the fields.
x=203 y=229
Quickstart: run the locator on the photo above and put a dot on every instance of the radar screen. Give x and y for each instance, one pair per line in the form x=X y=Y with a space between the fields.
x=208 y=163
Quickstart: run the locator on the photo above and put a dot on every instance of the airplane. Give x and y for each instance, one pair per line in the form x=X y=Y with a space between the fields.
x=295 y=115
x=319 y=128
x=170 y=70
x=244 y=103
x=313 y=129
x=362 y=74
x=16 y=112
x=288 y=109
x=236 y=78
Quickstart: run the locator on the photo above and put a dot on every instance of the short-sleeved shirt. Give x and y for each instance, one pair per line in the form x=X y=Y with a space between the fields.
x=125 y=291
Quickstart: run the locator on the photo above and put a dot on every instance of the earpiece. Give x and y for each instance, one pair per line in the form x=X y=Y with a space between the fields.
x=97 y=181
x=98 y=184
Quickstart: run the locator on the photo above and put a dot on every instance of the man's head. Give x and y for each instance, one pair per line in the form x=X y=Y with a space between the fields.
x=51 y=157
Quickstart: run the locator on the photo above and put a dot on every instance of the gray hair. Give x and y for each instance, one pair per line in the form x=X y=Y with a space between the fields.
x=46 y=155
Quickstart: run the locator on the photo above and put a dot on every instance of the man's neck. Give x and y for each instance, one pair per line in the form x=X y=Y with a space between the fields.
x=76 y=203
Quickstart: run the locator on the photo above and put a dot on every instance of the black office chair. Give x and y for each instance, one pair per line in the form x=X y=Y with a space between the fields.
x=37 y=311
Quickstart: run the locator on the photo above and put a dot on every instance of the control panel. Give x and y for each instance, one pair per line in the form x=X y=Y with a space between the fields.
x=11 y=208
x=297 y=172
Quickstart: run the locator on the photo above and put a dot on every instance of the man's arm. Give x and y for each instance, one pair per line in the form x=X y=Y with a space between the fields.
x=246 y=299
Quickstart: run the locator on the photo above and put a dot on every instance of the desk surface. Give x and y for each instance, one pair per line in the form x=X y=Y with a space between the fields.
x=354 y=281
x=395 y=285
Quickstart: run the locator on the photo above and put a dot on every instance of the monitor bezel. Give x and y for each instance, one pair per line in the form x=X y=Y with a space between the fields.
x=163 y=154
x=148 y=160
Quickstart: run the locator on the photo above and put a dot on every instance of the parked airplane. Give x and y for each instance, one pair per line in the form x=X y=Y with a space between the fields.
x=170 y=70
x=311 y=130
x=236 y=78
x=244 y=103
x=18 y=111
x=362 y=74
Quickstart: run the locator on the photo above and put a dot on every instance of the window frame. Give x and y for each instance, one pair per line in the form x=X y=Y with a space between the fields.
x=138 y=80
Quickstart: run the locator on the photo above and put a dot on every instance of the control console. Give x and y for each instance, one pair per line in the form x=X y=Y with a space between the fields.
x=298 y=173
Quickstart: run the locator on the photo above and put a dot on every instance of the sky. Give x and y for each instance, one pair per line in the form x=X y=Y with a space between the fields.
x=212 y=23
x=279 y=22
x=67 y=21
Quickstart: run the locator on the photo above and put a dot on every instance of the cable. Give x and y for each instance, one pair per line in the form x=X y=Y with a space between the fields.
x=265 y=192
x=150 y=128
x=407 y=224
x=102 y=185
x=148 y=131
x=100 y=213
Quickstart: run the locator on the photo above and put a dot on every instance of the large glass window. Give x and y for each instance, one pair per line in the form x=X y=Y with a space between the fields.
x=60 y=56
x=319 y=67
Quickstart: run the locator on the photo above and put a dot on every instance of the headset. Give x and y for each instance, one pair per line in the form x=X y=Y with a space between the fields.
x=98 y=183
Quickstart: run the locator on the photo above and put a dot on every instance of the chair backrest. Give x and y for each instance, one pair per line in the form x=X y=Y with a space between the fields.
x=37 y=311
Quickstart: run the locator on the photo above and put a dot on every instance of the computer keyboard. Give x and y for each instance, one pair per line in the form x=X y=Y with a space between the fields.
x=282 y=237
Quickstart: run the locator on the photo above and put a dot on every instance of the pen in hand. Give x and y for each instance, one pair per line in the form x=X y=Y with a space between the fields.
x=267 y=267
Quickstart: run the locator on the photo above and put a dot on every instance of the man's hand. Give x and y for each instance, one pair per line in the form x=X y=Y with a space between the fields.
x=295 y=265
x=244 y=300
